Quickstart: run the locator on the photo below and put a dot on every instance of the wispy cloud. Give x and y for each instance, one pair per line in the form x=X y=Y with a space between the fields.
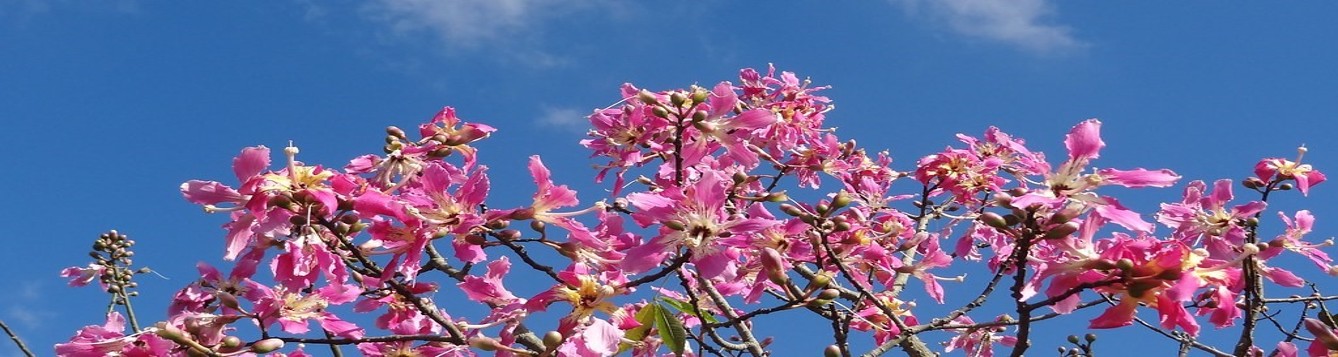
x=567 y=119
x=510 y=27
x=1020 y=23
x=465 y=22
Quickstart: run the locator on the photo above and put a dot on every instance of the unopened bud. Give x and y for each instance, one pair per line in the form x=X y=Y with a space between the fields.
x=484 y=343
x=537 y=226
x=792 y=210
x=1125 y=264
x=829 y=294
x=227 y=300
x=267 y=345
x=674 y=225
x=1322 y=332
x=993 y=220
x=823 y=208
x=842 y=199
x=777 y=197
x=169 y=332
x=475 y=239
x=647 y=97
x=700 y=96
x=522 y=214
x=1251 y=183
x=660 y=111
x=700 y=117
x=509 y=234
x=1285 y=186
x=552 y=339
x=831 y=351
x=677 y=99
x=396 y=132
x=774 y=266
x=231 y=342
x=1061 y=231
x=1063 y=216
x=1073 y=339
x=1091 y=337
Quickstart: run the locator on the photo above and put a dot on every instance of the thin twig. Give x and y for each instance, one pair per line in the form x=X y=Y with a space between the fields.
x=17 y=341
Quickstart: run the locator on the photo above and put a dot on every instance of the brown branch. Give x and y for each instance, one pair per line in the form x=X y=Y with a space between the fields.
x=15 y=337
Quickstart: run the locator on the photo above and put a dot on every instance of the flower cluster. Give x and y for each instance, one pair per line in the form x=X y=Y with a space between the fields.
x=744 y=204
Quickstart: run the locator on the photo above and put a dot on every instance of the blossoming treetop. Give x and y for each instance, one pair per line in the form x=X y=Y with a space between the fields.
x=701 y=236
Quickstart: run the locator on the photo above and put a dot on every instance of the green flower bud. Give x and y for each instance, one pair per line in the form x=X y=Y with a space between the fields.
x=267 y=345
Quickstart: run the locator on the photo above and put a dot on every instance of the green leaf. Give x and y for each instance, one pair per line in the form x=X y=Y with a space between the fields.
x=685 y=307
x=671 y=330
x=646 y=317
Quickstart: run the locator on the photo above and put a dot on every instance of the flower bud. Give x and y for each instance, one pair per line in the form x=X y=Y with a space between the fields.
x=647 y=97
x=1125 y=264
x=700 y=96
x=475 y=239
x=231 y=342
x=509 y=234
x=1322 y=332
x=993 y=220
x=677 y=99
x=552 y=339
x=266 y=345
x=841 y=199
x=1061 y=231
x=660 y=111
x=1285 y=186
x=829 y=294
x=484 y=343
x=1073 y=339
x=819 y=281
x=169 y=332
x=396 y=132
x=674 y=225
x=777 y=197
x=792 y=210
x=699 y=117
x=1063 y=216
x=227 y=300
x=1091 y=337
x=774 y=266
x=831 y=351
x=537 y=226
x=823 y=208
x=522 y=214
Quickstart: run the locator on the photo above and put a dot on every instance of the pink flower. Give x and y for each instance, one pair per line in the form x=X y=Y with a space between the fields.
x=695 y=218
x=110 y=339
x=292 y=309
x=1304 y=175
x=1203 y=215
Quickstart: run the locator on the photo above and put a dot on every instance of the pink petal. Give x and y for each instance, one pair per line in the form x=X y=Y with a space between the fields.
x=208 y=192
x=1141 y=177
x=602 y=337
x=250 y=162
x=1116 y=316
x=1084 y=140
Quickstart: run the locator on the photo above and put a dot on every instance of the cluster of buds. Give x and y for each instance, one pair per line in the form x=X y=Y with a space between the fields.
x=111 y=251
x=1082 y=347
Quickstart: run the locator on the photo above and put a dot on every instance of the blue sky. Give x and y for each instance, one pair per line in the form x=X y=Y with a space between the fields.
x=107 y=107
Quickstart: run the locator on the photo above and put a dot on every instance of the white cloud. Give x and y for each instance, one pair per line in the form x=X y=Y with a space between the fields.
x=461 y=22
x=1019 y=23
x=564 y=118
x=512 y=29
x=29 y=316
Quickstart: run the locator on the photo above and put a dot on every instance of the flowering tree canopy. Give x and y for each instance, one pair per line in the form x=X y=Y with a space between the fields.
x=723 y=204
